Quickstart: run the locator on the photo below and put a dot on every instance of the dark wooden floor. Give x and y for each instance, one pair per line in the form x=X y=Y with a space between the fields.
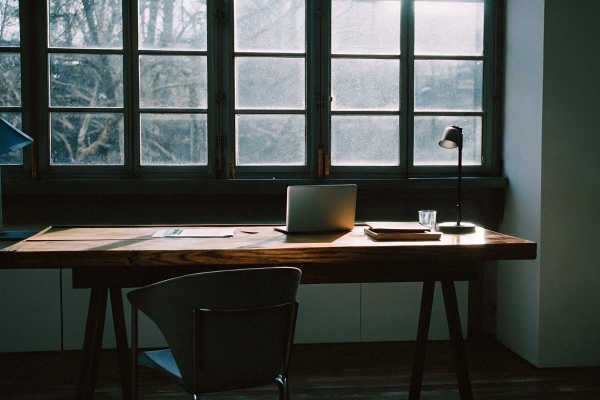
x=338 y=371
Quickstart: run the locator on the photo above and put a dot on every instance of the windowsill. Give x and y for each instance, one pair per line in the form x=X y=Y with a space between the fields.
x=230 y=186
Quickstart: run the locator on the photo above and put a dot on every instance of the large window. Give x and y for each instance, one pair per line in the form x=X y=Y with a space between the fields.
x=216 y=89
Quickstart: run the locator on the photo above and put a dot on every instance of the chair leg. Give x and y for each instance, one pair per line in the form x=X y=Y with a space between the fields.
x=134 y=348
x=284 y=393
x=116 y=302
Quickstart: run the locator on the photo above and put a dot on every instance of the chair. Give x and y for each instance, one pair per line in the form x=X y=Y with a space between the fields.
x=226 y=330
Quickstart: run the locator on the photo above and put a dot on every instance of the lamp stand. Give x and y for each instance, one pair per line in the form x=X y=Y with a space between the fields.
x=11 y=235
x=11 y=139
x=459 y=226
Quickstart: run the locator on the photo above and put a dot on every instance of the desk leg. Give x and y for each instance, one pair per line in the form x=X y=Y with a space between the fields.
x=92 y=344
x=116 y=302
x=416 y=378
x=456 y=337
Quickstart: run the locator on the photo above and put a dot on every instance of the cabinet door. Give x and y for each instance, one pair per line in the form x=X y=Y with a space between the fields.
x=390 y=311
x=328 y=313
x=30 y=315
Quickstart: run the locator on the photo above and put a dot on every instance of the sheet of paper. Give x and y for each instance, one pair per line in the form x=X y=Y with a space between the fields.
x=196 y=232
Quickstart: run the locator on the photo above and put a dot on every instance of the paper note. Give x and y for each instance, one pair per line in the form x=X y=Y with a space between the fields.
x=196 y=232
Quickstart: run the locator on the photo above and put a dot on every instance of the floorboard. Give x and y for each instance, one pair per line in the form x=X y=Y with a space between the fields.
x=324 y=371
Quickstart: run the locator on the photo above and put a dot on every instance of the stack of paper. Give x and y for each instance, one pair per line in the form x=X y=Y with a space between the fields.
x=385 y=230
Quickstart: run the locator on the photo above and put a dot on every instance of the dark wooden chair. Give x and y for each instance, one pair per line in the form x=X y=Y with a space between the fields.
x=226 y=330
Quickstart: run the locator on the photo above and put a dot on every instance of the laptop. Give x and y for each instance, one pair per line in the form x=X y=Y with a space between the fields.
x=319 y=208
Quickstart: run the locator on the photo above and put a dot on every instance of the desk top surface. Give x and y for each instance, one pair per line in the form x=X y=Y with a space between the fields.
x=72 y=247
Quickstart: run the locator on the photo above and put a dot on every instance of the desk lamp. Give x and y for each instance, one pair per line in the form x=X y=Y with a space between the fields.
x=11 y=139
x=451 y=139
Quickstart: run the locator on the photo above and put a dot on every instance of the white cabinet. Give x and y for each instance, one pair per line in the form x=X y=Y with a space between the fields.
x=328 y=313
x=390 y=311
x=31 y=314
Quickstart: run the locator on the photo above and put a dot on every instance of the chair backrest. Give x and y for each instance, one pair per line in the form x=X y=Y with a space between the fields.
x=234 y=313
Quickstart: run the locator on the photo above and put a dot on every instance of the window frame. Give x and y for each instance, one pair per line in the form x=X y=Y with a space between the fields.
x=35 y=107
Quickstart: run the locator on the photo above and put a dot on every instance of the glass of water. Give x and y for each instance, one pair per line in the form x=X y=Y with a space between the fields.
x=427 y=218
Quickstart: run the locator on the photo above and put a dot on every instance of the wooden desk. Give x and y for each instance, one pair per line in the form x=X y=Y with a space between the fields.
x=107 y=259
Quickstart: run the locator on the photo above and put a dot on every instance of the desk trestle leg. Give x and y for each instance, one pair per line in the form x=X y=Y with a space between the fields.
x=416 y=378
x=92 y=344
x=456 y=337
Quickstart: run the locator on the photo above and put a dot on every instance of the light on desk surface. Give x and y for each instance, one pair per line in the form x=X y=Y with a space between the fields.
x=11 y=139
x=451 y=139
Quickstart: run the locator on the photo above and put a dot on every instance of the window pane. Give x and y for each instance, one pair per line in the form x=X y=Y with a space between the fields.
x=365 y=27
x=85 y=23
x=428 y=131
x=449 y=27
x=365 y=140
x=267 y=82
x=173 y=81
x=174 y=139
x=365 y=84
x=172 y=24
x=86 y=80
x=10 y=79
x=10 y=34
x=86 y=139
x=448 y=85
x=14 y=157
x=270 y=140
x=269 y=25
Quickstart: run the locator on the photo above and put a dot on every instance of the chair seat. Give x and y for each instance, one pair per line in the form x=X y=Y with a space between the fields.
x=161 y=360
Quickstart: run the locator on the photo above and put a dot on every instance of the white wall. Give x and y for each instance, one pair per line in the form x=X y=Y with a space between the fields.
x=548 y=309
x=517 y=324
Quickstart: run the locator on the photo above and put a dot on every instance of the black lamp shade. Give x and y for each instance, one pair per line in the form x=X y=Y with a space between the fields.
x=452 y=137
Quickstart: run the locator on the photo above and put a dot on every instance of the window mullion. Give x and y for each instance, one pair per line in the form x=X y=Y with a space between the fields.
x=131 y=87
x=225 y=166
x=407 y=76
x=217 y=19
x=317 y=129
x=492 y=89
x=33 y=107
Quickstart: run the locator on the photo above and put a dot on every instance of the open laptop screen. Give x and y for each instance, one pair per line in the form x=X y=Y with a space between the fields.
x=320 y=208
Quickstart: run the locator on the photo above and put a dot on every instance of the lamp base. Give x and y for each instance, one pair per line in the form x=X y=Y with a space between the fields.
x=453 y=227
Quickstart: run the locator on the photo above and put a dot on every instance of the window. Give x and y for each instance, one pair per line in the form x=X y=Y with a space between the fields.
x=214 y=89
x=10 y=78
x=448 y=79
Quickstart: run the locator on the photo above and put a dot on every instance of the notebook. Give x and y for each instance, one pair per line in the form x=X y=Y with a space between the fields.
x=319 y=208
